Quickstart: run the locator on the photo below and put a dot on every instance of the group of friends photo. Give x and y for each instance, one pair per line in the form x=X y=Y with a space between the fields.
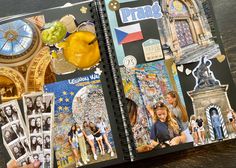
x=169 y=122
x=200 y=128
x=90 y=141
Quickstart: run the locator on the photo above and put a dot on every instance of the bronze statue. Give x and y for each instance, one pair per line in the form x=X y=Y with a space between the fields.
x=204 y=76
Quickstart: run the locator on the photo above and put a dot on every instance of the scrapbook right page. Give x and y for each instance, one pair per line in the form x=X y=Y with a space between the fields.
x=170 y=65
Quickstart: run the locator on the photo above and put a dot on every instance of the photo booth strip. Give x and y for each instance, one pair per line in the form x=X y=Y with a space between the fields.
x=49 y=100
x=22 y=153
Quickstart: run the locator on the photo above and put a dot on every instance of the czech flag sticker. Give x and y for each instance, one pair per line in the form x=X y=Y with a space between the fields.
x=129 y=33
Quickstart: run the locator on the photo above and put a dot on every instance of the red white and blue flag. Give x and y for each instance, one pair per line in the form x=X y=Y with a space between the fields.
x=129 y=33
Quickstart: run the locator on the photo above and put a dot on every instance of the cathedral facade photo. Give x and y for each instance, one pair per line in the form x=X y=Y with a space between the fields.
x=185 y=32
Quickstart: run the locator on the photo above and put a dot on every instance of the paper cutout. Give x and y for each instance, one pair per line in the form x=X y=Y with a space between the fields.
x=83 y=10
x=128 y=15
x=152 y=50
x=188 y=71
x=130 y=61
x=98 y=71
x=180 y=68
x=220 y=58
x=129 y=33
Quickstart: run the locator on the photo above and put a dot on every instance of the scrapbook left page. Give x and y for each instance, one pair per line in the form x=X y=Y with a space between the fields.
x=55 y=89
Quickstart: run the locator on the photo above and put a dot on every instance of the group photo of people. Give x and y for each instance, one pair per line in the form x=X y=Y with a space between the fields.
x=169 y=122
x=200 y=128
x=155 y=106
x=90 y=141
x=37 y=104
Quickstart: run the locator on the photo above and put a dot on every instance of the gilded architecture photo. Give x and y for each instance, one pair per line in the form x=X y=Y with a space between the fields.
x=24 y=60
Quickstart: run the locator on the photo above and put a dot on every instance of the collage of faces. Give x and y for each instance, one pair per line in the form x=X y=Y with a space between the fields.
x=30 y=142
x=14 y=132
x=38 y=109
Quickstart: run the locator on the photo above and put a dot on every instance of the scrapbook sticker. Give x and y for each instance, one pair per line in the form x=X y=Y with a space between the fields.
x=129 y=15
x=127 y=34
x=180 y=68
x=98 y=71
x=220 y=58
x=69 y=22
x=130 y=61
x=188 y=71
x=114 y=5
x=152 y=50
x=83 y=10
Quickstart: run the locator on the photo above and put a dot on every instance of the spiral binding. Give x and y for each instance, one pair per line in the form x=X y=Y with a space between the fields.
x=112 y=75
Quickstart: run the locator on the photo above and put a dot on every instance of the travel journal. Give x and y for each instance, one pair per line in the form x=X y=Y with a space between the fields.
x=98 y=83
x=175 y=80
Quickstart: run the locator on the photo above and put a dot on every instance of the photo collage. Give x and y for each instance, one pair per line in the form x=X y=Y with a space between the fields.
x=170 y=69
x=39 y=112
x=18 y=136
x=87 y=85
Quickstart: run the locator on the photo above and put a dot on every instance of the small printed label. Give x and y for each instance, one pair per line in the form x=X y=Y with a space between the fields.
x=130 y=61
x=152 y=50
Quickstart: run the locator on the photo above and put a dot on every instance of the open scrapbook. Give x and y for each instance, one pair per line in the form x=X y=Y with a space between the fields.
x=97 y=83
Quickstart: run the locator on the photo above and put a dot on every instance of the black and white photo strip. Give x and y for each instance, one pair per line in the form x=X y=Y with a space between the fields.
x=14 y=132
x=36 y=144
x=39 y=110
x=48 y=118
